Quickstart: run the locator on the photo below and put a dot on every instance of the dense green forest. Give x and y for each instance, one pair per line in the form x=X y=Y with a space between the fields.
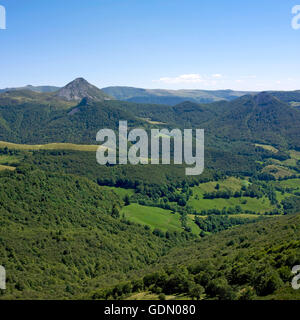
x=62 y=233
x=63 y=225
x=35 y=118
x=71 y=229
x=244 y=263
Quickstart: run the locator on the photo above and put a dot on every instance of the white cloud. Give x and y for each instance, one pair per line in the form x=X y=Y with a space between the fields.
x=250 y=77
x=218 y=81
x=217 y=76
x=192 y=78
x=184 y=78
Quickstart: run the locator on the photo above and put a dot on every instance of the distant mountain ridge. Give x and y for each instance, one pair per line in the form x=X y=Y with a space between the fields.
x=76 y=90
x=79 y=89
x=40 y=89
x=171 y=97
x=34 y=118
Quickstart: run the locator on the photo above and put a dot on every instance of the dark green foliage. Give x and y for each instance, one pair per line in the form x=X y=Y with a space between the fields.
x=215 y=223
x=115 y=213
x=38 y=122
x=287 y=96
x=291 y=204
x=61 y=236
x=126 y=200
x=196 y=291
x=260 y=119
x=245 y=263
x=43 y=118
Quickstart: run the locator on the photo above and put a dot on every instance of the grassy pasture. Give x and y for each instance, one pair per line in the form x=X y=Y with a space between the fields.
x=291 y=183
x=7 y=159
x=231 y=183
x=50 y=146
x=121 y=192
x=156 y=218
x=258 y=205
x=295 y=154
x=240 y=215
x=2 y=167
x=278 y=171
x=267 y=147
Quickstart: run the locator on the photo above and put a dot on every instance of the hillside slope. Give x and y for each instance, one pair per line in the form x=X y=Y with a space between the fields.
x=36 y=122
x=75 y=113
x=245 y=262
x=61 y=236
x=261 y=118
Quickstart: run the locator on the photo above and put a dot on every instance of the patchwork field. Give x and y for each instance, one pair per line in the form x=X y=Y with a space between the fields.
x=230 y=184
x=278 y=171
x=291 y=183
x=292 y=186
x=246 y=203
x=282 y=168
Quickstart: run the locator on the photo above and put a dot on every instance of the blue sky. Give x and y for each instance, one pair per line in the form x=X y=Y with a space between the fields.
x=202 y=44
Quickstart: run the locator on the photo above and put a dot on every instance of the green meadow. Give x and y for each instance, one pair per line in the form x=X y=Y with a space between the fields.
x=121 y=192
x=50 y=146
x=261 y=205
x=230 y=184
x=258 y=205
x=8 y=159
x=291 y=183
x=156 y=218
x=2 y=167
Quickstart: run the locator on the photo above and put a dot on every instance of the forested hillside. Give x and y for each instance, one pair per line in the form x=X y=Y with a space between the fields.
x=70 y=228
x=248 y=262
x=63 y=236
